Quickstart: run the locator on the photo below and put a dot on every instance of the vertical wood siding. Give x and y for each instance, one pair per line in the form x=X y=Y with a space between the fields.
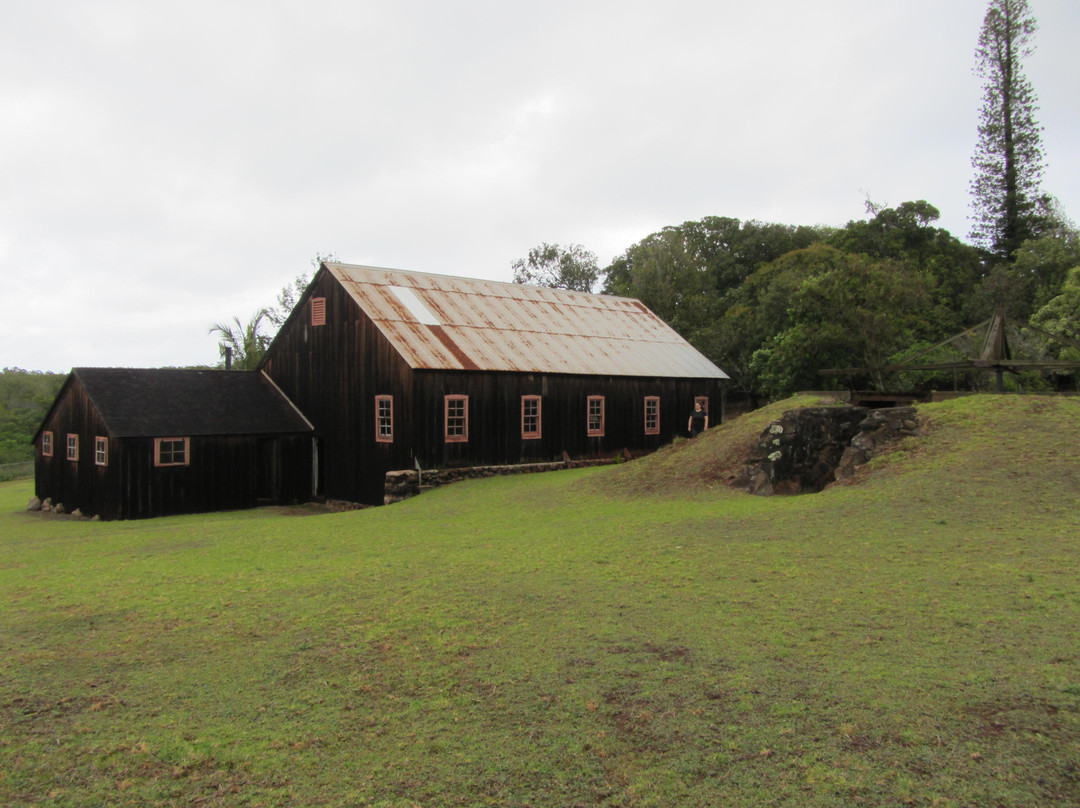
x=225 y=472
x=75 y=484
x=334 y=372
x=495 y=415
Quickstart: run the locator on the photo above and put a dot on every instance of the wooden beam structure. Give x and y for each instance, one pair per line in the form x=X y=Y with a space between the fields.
x=995 y=355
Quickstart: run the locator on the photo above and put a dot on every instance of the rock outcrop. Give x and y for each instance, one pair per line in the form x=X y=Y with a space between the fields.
x=806 y=449
x=880 y=427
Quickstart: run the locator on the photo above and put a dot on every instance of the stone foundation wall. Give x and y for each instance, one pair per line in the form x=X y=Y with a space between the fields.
x=407 y=483
x=880 y=428
x=806 y=449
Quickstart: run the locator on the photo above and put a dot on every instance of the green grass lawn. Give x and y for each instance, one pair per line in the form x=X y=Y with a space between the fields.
x=635 y=635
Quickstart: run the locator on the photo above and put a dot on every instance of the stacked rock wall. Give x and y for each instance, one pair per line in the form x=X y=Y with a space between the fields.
x=407 y=483
x=879 y=428
x=806 y=449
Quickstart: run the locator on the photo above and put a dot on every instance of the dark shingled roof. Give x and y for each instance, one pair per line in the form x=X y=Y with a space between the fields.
x=145 y=402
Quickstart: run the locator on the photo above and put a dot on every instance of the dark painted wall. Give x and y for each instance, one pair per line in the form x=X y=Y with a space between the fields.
x=224 y=472
x=495 y=415
x=75 y=484
x=333 y=373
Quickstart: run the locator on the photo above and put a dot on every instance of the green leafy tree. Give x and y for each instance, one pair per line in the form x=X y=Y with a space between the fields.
x=906 y=234
x=663 y=272
x=1061 y=316
x=1002 y=289
x=286 y=300
x=690 y=274
x=291 y=292
x=247 y=342
x=1045 y=262
x=757 y=310
x=25 y=398
x=716 y=253
x=1035 y=277
x=574 y=268
x=836 y=310
x=1007 y=202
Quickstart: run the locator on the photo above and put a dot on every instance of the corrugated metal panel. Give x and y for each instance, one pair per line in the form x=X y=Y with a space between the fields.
x=492 y=326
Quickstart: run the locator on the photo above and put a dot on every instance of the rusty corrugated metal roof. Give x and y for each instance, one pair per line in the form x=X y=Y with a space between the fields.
x=439 y=322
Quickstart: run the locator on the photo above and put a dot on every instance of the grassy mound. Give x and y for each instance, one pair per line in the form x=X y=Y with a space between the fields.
x=689 y=467
x=580 y=638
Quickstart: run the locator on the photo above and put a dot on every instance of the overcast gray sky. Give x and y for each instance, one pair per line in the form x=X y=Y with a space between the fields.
x=165 y=165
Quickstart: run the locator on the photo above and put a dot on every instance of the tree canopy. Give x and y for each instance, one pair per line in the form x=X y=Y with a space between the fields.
x=551 y=265
x=244 y=344
x=839 y=310
x=688 y=273
x=25 y=398
x=1059 y=316
x=774 y=304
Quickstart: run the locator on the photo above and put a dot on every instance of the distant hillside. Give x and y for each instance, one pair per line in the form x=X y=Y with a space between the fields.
x=25 y=396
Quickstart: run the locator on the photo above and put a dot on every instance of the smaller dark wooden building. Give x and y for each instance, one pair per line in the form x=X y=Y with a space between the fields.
x=124 y=443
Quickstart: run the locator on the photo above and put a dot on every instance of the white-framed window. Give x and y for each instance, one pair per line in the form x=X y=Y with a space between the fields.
x=594 y=414
x=172 y=451
x=456 y=419
x=530 y=417
x=72 y=446
x=46 y=444
x=652 y=415
x=384 y=419
x=101 y=451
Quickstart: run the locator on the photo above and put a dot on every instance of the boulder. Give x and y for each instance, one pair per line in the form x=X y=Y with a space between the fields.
x=807 y=449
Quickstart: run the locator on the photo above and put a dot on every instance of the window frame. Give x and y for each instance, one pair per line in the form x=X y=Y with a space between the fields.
x=537 y=432
x=654 y=429
x=460 y=421
x=590 y=430
x=318 y=311
x=72 y=446
x=47 y=443
x=704 y=403
x=101 y=451
x=158 y=463
x=384 y=429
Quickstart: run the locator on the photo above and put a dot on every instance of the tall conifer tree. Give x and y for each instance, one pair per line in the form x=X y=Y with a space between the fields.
x=1008 y=206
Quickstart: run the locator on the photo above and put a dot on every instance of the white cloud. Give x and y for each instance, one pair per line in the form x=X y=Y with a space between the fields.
x=164 y=166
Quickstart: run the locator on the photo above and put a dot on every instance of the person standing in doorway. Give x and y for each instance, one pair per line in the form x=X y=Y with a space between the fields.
x=698 y=422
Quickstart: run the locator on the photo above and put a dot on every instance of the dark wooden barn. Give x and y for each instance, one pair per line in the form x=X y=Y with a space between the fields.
x=398 y=370
x=125 y=443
